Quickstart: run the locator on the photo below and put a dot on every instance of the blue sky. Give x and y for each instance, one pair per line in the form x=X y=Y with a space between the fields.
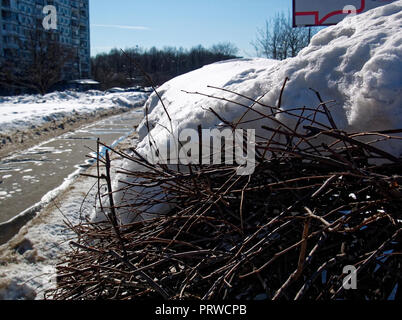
x=179 y=23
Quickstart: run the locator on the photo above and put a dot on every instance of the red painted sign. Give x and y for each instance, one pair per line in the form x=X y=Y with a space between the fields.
x=330 y=12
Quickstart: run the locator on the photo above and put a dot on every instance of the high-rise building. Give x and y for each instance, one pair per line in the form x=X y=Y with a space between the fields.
x=20 y=17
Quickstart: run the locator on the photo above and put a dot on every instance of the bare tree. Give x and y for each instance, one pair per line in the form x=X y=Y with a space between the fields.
x=224 y=49
x=279 y=40
x=42 y=67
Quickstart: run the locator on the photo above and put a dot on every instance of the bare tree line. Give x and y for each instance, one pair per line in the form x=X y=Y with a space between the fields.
x=279 y=40
x=116 y=68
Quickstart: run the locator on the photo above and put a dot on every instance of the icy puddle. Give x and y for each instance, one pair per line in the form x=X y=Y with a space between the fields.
x=33 y=176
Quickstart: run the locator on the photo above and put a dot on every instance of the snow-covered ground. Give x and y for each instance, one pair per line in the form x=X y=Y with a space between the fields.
x=28 y=261
x=357 y=63
x=23 y=112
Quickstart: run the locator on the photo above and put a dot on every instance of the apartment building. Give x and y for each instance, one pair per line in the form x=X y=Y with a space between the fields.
x=19 y=17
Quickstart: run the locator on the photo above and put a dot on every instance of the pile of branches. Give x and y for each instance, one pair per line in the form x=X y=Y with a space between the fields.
x=289 y=231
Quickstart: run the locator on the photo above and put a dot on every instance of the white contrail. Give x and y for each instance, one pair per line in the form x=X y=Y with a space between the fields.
x=120 y=26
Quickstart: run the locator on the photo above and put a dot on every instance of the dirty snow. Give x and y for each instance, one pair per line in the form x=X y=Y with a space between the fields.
x=23 y=112
x=28 y=261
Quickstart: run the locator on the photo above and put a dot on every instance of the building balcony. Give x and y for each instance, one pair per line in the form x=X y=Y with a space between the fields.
x=10 y=32
x=8 y=15
x=10 y=45
x=5 y=3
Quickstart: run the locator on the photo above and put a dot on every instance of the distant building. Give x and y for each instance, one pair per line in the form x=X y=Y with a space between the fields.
x=19 y=17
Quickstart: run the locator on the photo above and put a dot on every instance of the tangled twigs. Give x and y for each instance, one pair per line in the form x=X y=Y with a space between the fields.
x=320 y=199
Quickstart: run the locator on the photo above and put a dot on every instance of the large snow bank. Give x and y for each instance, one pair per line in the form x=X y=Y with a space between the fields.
x=358 y=63
x=23 y=112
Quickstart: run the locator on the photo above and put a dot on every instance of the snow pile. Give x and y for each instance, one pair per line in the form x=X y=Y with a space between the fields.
x=357 y=63
x=23 y=112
